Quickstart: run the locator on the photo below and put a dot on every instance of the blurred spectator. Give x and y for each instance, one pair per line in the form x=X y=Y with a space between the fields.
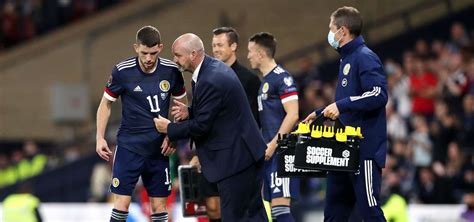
x=467 y=132
x=8 y=24
x=398 y=85
x=83 y=8
x=459 y=37
x=71 y=154
x=34 y=161
x=396 y=125
x=406 y=170
x=422 y=49
x=451 y=171
x=470 y=74
x=7 y=172
x=307 y=72
x=420 y=142
x=443 y=131
x=455 y=160
x=433 y=190
x=422 y=88
x=468 y=200
x=100 y=182
x=437 y=47
x=394 y=206
x=22 y=206
x=15 y=158
x=453 y=83
x=21 y=20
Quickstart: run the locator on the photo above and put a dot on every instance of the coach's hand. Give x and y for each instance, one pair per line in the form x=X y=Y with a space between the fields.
x=331 y=111
x=179 y=111
x=102 y=149
x=195 y=163
x=167 y=147
x=161 y=124
x=310 y=118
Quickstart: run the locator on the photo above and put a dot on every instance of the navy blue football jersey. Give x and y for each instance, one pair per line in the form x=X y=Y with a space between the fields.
x=144 y=96
x=276 y=89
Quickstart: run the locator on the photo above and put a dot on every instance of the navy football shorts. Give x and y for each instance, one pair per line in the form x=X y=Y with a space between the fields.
x=274 y=186
x=129 y=166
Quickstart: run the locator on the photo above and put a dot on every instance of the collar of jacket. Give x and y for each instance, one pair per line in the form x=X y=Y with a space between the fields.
x=206 y=61
x=351 y=46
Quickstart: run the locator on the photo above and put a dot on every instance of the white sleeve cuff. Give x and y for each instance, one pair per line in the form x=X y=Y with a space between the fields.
x=107 y=96
x=289 y=98
x=180 y=97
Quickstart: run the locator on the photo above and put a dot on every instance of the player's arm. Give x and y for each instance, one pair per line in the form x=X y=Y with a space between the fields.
x=181 y=96
x=103 y=114
x=180 y=109
x=374 y=86
x=112 y=91
x=289 y=99
x=291 y=109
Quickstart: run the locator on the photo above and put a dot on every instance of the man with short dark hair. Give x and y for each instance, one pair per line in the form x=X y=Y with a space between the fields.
x=145 y=84
x=278 y=110
x=225 y=43
x=361 y=95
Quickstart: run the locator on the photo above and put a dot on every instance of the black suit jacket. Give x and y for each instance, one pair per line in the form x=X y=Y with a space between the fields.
x=221 y=123
x=251 y=84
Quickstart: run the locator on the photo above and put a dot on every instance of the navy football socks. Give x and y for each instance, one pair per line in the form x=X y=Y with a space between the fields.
x=160 y=217
x=118 y=216
x=282 y=213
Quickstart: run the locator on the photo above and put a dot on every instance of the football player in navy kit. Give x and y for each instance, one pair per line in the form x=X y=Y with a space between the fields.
x=145 y=84
x=278 y=114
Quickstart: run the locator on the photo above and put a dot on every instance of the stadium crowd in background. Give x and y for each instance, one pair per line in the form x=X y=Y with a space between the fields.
x=21 y=164
x=22 y=20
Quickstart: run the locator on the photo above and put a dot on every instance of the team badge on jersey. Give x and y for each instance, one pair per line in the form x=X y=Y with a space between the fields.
x=115 y=182
x=164 y=95
x=346 y=69
x=265 y=87
x=164 y=85
x=344 y=82
x=288 y=80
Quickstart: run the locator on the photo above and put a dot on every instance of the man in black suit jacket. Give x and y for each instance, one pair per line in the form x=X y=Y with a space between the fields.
x=228 y=142
x=224 y=47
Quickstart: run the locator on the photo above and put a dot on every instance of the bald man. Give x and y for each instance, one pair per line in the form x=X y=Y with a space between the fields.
x=220 y=122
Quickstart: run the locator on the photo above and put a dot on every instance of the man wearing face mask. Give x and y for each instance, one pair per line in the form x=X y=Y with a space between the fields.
x=361 y=96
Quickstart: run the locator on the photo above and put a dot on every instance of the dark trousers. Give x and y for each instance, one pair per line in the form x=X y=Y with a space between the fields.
x=241 y=195
x=360 y=190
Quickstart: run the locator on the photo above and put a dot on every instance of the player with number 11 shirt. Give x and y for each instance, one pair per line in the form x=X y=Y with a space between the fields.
x=145 y=83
